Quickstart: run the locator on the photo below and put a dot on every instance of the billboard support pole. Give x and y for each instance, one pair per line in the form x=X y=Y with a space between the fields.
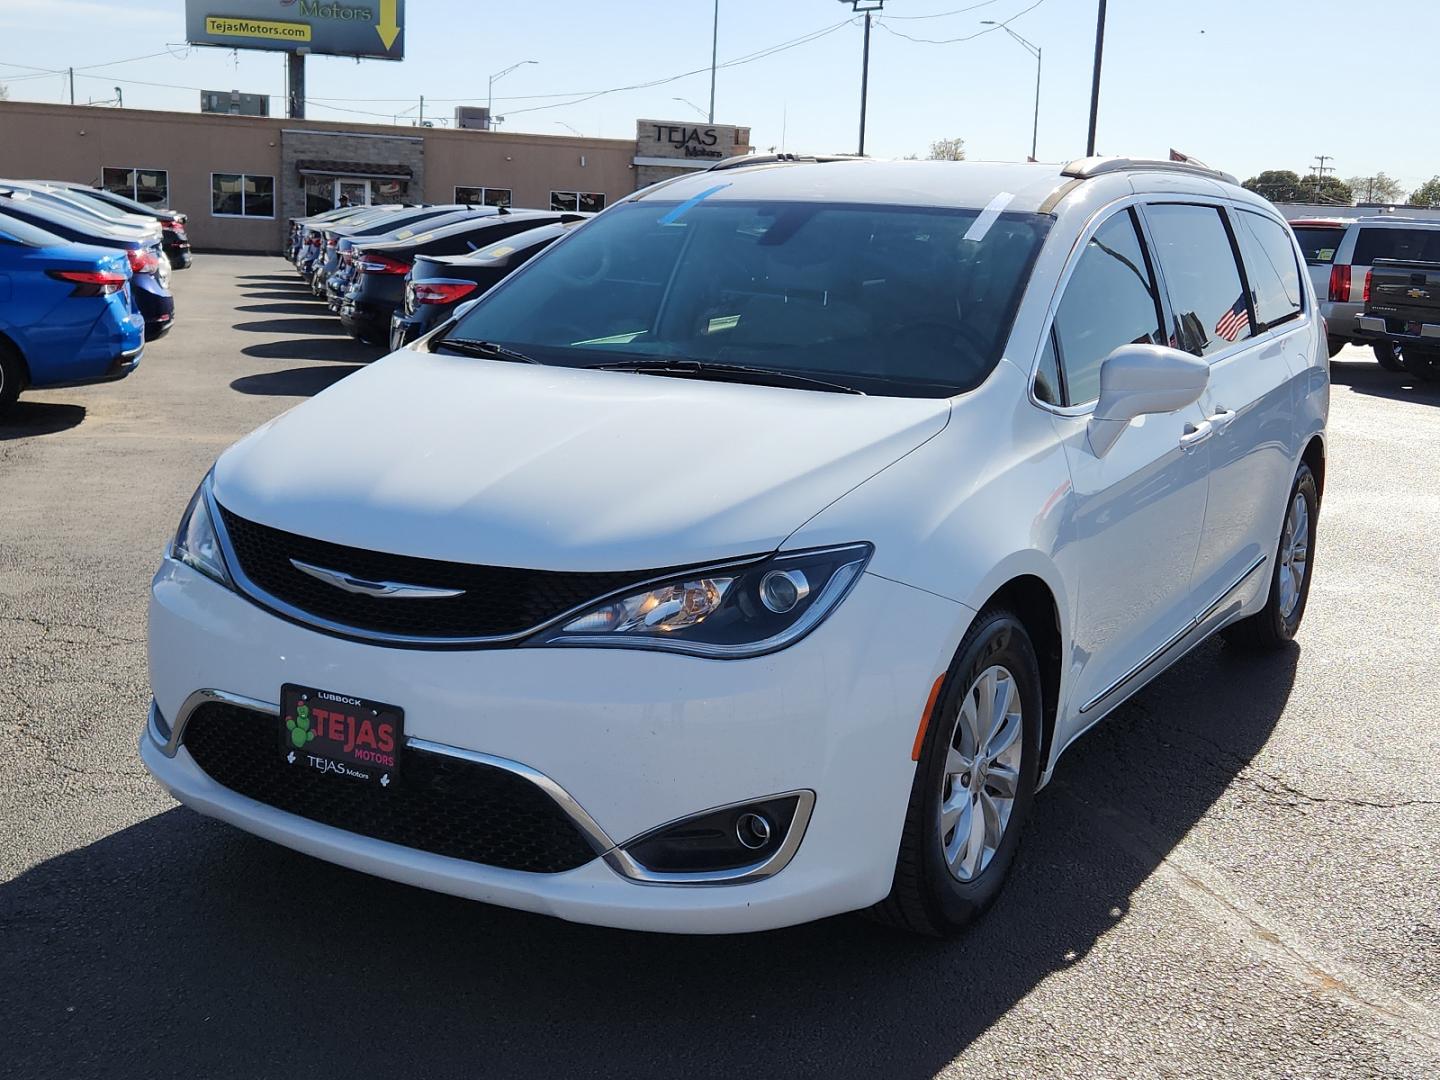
x=295 y=85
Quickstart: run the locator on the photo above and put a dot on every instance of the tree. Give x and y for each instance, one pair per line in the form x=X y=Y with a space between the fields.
x=1330 y=190
x=1377 y=188
x=947 y=150
x=1277 y=185
x=1427 y=194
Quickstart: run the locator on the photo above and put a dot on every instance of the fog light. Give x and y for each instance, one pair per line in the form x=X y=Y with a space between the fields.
x=723 y=839
x=752 y=830
x=781 y=590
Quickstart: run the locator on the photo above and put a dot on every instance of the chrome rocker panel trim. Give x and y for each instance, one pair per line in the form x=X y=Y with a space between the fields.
x=599 y=840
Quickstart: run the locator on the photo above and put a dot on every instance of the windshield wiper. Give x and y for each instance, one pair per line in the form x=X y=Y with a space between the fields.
x=489 y=350
x=701 y=369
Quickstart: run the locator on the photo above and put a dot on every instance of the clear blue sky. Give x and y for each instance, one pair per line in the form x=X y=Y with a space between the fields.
x=1243 y=84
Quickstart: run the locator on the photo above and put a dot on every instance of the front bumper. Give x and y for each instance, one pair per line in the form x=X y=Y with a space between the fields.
x=634 y=738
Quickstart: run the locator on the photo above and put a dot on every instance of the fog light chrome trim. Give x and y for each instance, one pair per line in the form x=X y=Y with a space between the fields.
x=622 y=863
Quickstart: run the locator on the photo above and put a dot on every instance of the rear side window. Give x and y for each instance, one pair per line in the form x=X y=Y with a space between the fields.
x=1406 y=245
x=1110 y=300
x=1201 y=275
x=1270 y=267
x=1319 y=242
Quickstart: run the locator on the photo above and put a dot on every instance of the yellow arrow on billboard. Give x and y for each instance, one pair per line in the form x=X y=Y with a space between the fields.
x=388 y=28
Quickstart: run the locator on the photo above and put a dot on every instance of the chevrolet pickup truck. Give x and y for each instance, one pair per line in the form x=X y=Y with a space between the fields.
x=1402 y=306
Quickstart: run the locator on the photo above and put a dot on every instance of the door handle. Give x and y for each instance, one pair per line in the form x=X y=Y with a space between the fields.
x=1221 y=419
x=1195 y=434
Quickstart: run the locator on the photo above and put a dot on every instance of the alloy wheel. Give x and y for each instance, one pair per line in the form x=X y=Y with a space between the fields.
x=982 y=773
x=1294 y=554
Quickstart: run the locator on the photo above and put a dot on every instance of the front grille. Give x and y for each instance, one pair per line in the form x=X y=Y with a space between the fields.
x=498 y=601
x=449 y=806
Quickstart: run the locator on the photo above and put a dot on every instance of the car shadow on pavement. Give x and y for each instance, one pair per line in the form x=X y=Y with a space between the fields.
x=28 y=418
x=295 y=306
x=326 y=324
x=181 y=944
x=345 y=349
x=1374 y=380
x=293 y=382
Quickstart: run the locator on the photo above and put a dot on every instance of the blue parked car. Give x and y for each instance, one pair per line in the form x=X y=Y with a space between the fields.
x=69 y=314
x=150 y=269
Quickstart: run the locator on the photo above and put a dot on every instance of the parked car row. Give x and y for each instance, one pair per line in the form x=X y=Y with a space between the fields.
x=1378 y=276
x=394 y=272
x=87 y=277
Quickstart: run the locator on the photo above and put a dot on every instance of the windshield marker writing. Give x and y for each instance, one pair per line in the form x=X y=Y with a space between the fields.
x=993 y=210
x=675 y=214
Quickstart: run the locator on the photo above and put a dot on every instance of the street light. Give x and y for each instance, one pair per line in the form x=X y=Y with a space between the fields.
x=1033 y=50
x=692 y=105
x=490 y=96
x=865 y=6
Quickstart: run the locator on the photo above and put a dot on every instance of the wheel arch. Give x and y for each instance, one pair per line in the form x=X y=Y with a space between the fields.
x=1314 y=456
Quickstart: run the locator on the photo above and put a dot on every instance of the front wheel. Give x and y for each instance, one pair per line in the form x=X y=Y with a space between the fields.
x=1388 y=356
x=1274 y=625
x=12 y=377
x=974 y=783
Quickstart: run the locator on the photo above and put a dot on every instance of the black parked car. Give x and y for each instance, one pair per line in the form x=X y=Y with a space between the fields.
x=173 y=237
x=379 y=286
x=438 y=284
x=149 y=268
x=338 y=283
x=383 y=221
x=313 y=248
x=300 y=227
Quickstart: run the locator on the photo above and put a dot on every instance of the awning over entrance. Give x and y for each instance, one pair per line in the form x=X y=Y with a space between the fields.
x=366 y=169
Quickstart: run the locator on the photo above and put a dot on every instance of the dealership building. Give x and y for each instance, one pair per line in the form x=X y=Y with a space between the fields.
x=240 y=178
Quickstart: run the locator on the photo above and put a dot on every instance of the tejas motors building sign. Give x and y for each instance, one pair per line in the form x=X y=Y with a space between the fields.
x=700 y=143
x=369 y=28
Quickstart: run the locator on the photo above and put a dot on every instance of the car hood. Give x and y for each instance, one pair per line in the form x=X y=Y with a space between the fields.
x=522 y=465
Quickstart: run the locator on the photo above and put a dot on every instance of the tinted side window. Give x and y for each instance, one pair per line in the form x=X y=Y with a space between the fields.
x=1047 y=377
x=1319 y=242
x=1408 y=245
x=1198 y=261
x=1270 y=267
x=1109 y=301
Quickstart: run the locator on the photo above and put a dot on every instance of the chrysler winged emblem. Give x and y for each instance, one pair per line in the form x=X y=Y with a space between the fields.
x=385 y=590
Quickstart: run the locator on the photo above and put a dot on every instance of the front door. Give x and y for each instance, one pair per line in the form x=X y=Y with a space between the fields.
x=352 y=192
x=1138 y=509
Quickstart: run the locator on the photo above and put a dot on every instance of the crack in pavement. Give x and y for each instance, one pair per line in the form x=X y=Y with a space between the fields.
x=1213 y=897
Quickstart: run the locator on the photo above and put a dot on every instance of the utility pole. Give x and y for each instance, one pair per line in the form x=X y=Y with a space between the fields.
x=714 y=53
x=867 y=6
x=72 y=86
x=295 y=85
x=422 y=111
x=1320 y=170
x=1095 y=79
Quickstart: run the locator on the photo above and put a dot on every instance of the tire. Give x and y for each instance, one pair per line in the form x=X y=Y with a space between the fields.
x=12 y=377
x=1274 y=626
x=1387 y=356
x=1334 y=345
x=1422 y=363
x=927 y=896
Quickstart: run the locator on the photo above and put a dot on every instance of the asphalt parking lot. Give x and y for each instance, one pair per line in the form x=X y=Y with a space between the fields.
x=1237 y=874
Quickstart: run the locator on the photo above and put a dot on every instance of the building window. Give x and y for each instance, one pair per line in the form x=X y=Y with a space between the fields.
x=148 y=185
x=588 y=201
x=241 y=195
x=483 y=196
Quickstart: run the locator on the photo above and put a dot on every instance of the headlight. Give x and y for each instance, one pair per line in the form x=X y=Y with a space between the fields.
x=725 y=612
x=196 y=544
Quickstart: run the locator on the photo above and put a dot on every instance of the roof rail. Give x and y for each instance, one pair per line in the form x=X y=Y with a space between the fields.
x=1085 y=168
x=740 y=160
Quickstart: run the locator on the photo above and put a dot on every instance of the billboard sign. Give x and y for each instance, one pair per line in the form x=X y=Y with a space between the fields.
x=369 y=28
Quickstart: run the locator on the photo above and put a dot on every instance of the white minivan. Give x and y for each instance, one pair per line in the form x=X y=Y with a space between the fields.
x=754 y=553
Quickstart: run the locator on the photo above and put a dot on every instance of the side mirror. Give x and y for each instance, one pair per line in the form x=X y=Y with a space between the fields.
x=1140 y=379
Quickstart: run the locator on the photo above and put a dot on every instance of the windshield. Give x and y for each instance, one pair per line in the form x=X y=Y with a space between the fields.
x=908 y=301
x=1318 y=242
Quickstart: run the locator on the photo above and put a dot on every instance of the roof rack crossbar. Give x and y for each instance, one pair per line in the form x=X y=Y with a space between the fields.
x=1085 y=168
x=741 y=160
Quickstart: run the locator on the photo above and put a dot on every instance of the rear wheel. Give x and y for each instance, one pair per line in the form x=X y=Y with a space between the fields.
x=974 y=784
x=1422 y=363
x=1387 y=356
x=1274 y=625
x=12 y=376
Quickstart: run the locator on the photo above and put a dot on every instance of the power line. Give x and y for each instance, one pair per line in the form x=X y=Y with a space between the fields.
x=944 y=14
x=963 y=37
